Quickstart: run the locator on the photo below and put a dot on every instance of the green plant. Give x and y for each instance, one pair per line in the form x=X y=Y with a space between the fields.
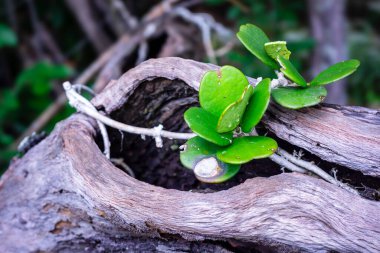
x=32 y=90
x=7 y=37
x=231 y=107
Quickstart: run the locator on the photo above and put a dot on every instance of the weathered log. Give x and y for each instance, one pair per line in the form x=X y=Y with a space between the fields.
x=64 y=195
x=346 y=135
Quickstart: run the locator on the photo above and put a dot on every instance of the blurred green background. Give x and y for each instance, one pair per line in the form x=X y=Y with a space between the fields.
x=43 y=43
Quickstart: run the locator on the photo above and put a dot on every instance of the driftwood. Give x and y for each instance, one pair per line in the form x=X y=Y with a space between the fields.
x=64 y=195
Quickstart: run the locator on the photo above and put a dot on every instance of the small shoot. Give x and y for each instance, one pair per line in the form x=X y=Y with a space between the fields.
x=277 y=48
x=257 y=106
x=245 y=149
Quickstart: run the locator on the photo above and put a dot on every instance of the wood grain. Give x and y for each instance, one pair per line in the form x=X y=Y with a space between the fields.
x=64 y=194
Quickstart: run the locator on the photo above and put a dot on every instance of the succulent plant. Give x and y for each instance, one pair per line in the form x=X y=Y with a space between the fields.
x=230 y=104
x=227 y=102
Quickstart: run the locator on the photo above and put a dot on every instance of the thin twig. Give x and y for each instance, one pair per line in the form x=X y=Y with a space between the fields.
x=205 y=23
x=296 y=164
x=81 y=104
x=80 y=87
x=286 y=164
x=102 y=128
x=142 y=52
x=225 y=49
x=313 y=168
x=123 y=165
x=127 y=17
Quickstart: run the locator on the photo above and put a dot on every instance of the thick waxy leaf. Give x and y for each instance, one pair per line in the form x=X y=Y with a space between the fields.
x=277 y=48
x=336 y=72
x=195 y=149
x=245 y=149
x=200 y=156
x=204 y=124
x=257 y=105
x=220 y=88
x=254 y=39
x=291 y=72
x=233 y=114
x=295 y=98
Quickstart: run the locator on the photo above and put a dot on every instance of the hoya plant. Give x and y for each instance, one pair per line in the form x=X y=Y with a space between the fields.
x=231 y=107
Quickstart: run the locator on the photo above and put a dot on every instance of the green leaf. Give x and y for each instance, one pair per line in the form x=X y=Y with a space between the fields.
x=204 y=124
x=336 y=72
x=40 y=75
x=195 y=149
x=291 y=72
x=277 y=48
x=233 y=114
x=194 y=156
x=254 y=39
x=7 y=36
x=220 y=88
x=245 y=149
x=257 y=105
x=295 y=98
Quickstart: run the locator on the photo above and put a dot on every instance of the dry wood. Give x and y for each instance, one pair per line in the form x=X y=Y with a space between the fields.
x=64 y=195
x=346 y=135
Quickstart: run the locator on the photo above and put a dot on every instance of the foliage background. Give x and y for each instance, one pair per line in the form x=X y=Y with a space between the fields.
x=31 y=77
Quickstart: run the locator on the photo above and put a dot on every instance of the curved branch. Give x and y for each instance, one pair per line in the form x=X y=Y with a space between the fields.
x=289 y=210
